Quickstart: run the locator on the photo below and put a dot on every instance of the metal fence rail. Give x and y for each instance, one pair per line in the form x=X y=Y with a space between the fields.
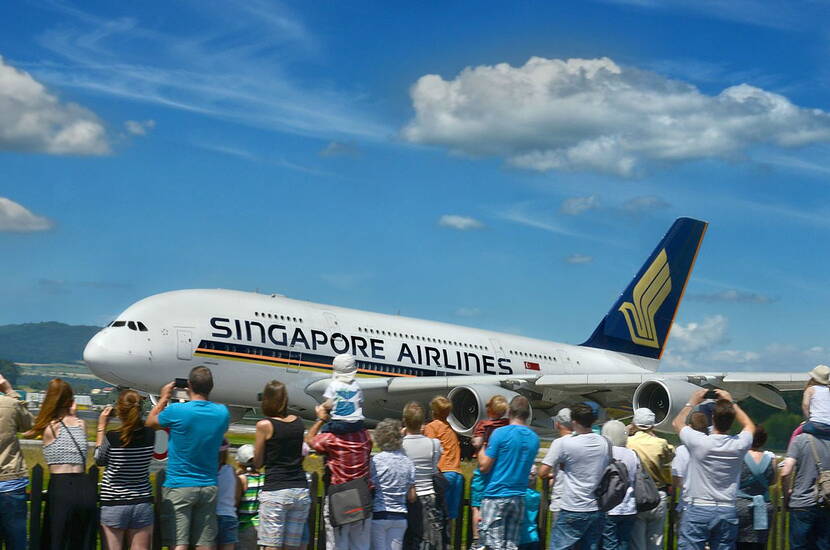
x=458 y=539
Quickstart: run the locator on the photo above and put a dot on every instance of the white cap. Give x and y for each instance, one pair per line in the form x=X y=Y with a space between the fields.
x=245 y=454
x=644 y=418
x=344 y=366
x=563 y=417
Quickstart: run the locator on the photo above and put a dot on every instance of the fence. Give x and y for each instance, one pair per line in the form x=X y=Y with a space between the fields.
x=459 y=538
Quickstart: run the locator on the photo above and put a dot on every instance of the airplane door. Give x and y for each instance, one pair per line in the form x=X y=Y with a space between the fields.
x=184 y=350
x=498 y=350
x=294 y=354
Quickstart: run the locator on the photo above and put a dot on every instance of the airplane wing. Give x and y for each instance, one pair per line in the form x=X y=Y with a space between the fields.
x=580 y=384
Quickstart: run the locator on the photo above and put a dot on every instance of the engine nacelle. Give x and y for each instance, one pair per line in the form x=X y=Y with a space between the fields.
x=469 y=405
x=665 y=398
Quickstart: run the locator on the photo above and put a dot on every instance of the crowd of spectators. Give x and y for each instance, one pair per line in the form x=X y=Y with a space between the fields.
x=407 y=494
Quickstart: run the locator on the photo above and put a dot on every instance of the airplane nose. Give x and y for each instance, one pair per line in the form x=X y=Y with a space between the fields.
x=95 y=354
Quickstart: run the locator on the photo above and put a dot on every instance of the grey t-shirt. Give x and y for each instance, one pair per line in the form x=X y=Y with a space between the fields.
x=806 y=472
x=583 y=458
x=715 y=463
x=424 y=452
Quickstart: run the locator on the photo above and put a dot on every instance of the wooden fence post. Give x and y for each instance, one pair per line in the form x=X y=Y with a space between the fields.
x=35 y=506
x=543 y=521
x=93 y=479
x=313 y=520
x=157 y=509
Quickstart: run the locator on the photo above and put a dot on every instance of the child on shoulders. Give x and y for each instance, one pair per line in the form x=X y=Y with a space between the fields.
x=344 y=398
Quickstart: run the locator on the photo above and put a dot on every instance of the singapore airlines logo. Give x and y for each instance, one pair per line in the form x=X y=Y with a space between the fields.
x=649 y=294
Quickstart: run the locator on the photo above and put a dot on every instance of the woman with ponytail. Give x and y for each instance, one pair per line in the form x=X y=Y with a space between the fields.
x=69 y=521
x=126 y=496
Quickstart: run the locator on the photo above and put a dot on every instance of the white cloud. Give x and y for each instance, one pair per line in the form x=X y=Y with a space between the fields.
x=697 y=337
x=33 y=120
x=642 y=205
x=733 y=296
x=468 y=312
x=340 y=149
x=138 y=127
x=778 y=14
x=230 y=68
x=462 y=223
x=579 y=259
x=16 y=218
x=577 y=205
x=594 y=115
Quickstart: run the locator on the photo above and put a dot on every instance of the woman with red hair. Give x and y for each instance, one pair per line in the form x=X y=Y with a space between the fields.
x=69 y=520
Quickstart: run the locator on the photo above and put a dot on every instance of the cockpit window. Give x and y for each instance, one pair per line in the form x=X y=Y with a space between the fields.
x=141 y=326
x=119 y=323
x=131 y=325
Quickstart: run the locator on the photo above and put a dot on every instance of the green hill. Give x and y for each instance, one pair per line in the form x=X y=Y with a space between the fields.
x=48 y=342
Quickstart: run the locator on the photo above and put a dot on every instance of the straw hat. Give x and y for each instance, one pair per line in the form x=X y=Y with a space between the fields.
x=821 y=374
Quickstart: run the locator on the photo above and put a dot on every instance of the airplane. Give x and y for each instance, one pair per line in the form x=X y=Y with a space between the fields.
x=248 y=339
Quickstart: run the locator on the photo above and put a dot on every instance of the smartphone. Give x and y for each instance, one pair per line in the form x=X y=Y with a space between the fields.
x=180 y=389
x=711 y=394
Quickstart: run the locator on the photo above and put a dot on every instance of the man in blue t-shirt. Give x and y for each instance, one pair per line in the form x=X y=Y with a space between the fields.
x=188 y=507
x=506 y=461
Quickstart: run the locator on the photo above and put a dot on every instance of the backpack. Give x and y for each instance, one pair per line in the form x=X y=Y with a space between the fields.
x=646 y=495
x=823 y=478
x=349 y=502
x=613 y=484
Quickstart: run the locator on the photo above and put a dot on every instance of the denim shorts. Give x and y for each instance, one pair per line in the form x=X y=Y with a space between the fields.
x=228 y=528
x=127 y=516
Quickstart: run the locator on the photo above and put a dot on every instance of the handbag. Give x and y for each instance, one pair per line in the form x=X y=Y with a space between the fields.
x=349 y=502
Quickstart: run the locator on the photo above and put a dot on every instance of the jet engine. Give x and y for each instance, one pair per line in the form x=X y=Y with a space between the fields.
x=469 y=405
x=665 y=398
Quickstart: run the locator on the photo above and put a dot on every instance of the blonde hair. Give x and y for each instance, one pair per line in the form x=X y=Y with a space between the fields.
x=497 y=406
x=440 y=407
x=128 y=409
x=413 y=416
x=59 y=397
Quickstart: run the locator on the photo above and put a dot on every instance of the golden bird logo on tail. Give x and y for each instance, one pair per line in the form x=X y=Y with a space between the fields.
x=648 y=295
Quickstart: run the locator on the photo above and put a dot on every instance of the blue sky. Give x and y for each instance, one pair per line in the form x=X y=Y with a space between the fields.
x=501 y=166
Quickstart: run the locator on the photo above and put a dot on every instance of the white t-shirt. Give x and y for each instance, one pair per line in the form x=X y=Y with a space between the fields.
x=583 y=458
x=715 y=462
x=820 y=405
x=347 y=400
x=425 y=453
x=226 y=492
x=629 y=505
x=680 y=466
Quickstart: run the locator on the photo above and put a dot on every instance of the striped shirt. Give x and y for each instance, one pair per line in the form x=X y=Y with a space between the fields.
x=249 y=503
x=126 y=479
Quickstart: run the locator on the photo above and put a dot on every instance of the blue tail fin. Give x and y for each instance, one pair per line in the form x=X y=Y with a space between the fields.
x=640 y=320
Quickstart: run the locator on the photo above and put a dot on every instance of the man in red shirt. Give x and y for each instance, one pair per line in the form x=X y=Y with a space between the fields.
x=347 y=458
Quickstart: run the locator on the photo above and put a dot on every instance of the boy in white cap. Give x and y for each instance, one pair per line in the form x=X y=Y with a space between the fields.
x=815 y=404
x=344 y=398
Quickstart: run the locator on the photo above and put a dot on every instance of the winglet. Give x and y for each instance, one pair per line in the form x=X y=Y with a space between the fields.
x=639 y=322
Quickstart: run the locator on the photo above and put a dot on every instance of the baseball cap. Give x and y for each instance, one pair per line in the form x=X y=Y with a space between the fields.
x=245 y=454
x=643 y=418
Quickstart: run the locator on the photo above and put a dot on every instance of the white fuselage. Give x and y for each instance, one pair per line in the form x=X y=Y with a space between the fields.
x=248 y=339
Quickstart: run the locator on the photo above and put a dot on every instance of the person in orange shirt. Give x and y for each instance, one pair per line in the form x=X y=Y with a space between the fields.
x=450 y=463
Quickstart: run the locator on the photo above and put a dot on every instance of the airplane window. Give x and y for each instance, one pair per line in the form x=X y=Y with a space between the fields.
x=131 y=325
x=142 y=327
x=119 y=323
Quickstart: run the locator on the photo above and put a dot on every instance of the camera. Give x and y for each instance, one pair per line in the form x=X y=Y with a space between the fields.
x=711 y=394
